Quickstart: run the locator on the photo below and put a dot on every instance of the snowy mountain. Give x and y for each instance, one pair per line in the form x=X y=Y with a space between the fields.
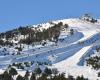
x=78 y=40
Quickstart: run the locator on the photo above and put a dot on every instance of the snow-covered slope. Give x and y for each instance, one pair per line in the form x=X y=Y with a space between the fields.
x=70 y=65
x=68 y=55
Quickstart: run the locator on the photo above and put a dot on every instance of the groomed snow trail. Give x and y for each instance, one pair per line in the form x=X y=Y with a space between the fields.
x=65 y=55
x=71 y=61
x=71 y=68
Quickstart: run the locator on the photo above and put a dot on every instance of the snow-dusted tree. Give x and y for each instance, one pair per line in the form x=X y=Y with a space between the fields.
x=12 y=71
x=47 y=71
x=37 y=71
x=26 y=77
x=33 y=76
x=6 y=76
x=19 y=77
x=54 y=71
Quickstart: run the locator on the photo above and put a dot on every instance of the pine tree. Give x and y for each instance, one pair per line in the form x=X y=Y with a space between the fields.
x=54 y=71
x=38 y=71
x=43 y=77
x=71 y=31
x=60 y=77
x=6 y=76
x=33 y=76
x=12 y=71
x=26 y=77
x=98 y=74
x=47 y=71
x=81 y=78
x=19 y=77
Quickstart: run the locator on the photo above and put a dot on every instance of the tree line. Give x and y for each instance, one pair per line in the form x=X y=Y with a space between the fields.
x=38 y=74
x=33 y=35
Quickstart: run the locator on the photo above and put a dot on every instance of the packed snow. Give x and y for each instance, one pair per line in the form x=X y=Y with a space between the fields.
x=67 y=56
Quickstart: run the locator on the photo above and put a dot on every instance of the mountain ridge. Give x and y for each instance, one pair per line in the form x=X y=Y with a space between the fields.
x=61 y=44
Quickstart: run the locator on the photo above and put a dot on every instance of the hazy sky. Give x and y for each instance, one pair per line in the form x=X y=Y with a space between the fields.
x=15 y=13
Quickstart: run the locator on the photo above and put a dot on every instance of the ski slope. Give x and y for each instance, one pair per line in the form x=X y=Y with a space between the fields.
x=66 y=55
x=70 y=67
